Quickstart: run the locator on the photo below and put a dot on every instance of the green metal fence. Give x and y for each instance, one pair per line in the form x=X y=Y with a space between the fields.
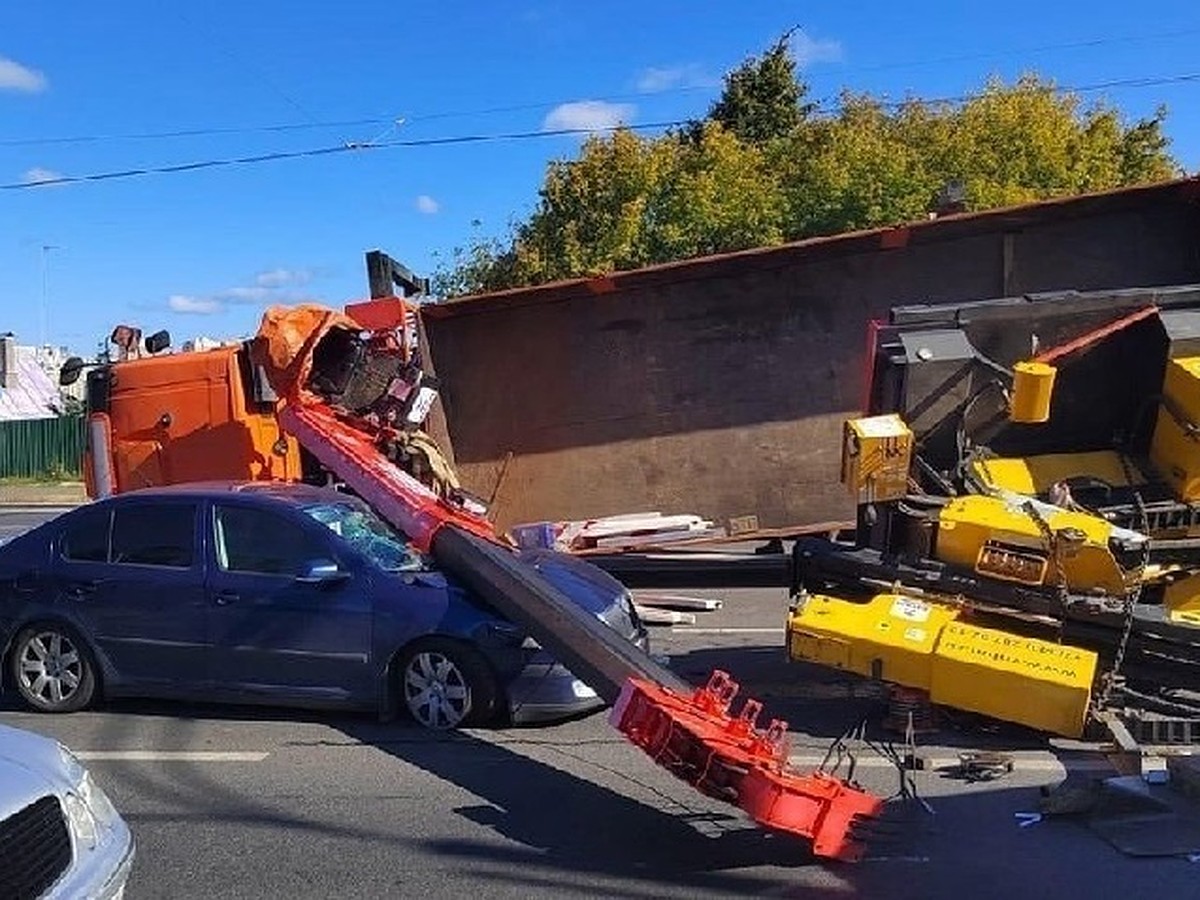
x=42 y=448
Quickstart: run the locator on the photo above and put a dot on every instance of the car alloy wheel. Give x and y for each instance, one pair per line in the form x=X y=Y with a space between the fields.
x=53 y=672
x=436 y=691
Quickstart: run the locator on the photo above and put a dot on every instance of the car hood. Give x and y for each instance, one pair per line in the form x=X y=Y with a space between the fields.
x=591 y=588
x=29 y=767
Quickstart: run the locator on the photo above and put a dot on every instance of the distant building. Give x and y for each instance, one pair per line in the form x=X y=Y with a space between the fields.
x=28 y=383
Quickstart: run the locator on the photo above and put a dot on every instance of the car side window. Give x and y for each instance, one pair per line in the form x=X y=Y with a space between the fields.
x=262 y=542
x=159 y=534
x=86 y=538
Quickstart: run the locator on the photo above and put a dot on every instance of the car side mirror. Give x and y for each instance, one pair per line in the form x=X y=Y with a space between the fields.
x=70 y=371
x=321 y=571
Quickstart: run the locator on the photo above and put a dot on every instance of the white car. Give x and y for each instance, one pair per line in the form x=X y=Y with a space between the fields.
x=60 y=836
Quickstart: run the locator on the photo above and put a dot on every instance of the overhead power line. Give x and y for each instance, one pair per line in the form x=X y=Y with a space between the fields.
x=350 y=147
x=374 y=121
x=1095 y=87
x=451 y=140
x=193 y=132
x=1081 y=44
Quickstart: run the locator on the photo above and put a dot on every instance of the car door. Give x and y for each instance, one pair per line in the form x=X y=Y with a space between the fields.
x=274 y=630
x=130 y=574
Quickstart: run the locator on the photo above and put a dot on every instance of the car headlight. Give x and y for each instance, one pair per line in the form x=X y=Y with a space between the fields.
x=581 y=690
x=89 y=811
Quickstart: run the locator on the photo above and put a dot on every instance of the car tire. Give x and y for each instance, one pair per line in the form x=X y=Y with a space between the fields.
x=445 y=684
x=52 y=668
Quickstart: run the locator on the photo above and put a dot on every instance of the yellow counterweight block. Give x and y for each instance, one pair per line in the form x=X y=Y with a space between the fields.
x=921 y=644
x=999 y=538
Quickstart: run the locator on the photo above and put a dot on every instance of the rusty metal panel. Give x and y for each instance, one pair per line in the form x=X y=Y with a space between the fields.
x=718 y=386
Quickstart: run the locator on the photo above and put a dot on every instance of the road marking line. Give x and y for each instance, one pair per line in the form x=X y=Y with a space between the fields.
x=173 y=755
x=733 y=630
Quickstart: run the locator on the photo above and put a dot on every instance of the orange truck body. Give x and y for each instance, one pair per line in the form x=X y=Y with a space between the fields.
x=182 y=417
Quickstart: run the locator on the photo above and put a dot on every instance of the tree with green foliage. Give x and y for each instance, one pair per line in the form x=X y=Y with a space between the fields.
x=871 y=165
x=763 y=168
x=763 y=99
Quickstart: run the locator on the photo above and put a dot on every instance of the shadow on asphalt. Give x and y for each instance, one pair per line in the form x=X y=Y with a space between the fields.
x=824 y=703
x=556 y=825
x=555 y=821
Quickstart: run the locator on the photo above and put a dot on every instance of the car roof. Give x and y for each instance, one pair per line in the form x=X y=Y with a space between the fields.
x=284 y=492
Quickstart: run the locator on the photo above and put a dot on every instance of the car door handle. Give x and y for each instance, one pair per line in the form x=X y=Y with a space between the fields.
x=224 y=598
x=77 y=590
x=25 y=583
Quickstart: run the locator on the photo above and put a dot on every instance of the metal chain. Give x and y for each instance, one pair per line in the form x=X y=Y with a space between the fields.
x=1062 y=589
x=1131 y=597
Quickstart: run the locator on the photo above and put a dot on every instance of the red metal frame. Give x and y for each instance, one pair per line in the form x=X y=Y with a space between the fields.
x=729 y=758
x=874 y=327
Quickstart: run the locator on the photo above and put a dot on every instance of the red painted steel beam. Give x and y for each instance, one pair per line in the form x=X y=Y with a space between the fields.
x=1053 y=354
x=352 y=455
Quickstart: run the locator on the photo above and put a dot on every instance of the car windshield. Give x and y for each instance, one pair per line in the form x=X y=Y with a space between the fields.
x=370 y=535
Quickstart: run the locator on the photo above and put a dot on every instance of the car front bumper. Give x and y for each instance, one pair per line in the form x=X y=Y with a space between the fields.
x=101 y=873
x=547 y=691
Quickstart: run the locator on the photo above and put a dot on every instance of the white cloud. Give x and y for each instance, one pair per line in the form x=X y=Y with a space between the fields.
x=427 y=205
x=39 y=175
x=16 y=77
x=667 y=78
x=255 y=294
x=588 y=115
x=200 y=306
x=809 y=51
x=276 y=278
x=267 y=287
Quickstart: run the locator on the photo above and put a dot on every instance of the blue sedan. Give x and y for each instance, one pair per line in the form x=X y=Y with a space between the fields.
x=281 y=594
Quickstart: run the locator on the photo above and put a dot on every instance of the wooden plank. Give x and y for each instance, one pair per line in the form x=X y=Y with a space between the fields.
x=677 y=602
x=653 y=616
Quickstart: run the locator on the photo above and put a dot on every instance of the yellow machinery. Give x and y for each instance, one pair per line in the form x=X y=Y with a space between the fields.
x=924 y=642
x=1033 y=389
x=911 y=641
x=1003 y=582
x=876 y=456
x=1175 y=447
x=1037 y=475
x=1022 y=540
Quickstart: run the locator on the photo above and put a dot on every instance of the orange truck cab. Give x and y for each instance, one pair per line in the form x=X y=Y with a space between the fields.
x=189 y=416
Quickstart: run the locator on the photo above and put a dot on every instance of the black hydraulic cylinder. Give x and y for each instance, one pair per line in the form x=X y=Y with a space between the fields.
x=595 y=653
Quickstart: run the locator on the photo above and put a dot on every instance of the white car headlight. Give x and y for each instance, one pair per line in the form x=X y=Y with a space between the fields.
x=88 y=809
x=581 y=690
x=82 y=822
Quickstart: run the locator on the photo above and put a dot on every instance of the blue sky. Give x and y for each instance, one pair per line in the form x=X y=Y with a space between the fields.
x=88 y=88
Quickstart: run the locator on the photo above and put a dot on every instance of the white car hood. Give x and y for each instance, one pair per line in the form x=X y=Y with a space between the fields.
x=28 y=767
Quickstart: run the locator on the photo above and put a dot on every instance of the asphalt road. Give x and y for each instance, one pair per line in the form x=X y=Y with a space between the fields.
x=14 y=520
x=246 y=802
